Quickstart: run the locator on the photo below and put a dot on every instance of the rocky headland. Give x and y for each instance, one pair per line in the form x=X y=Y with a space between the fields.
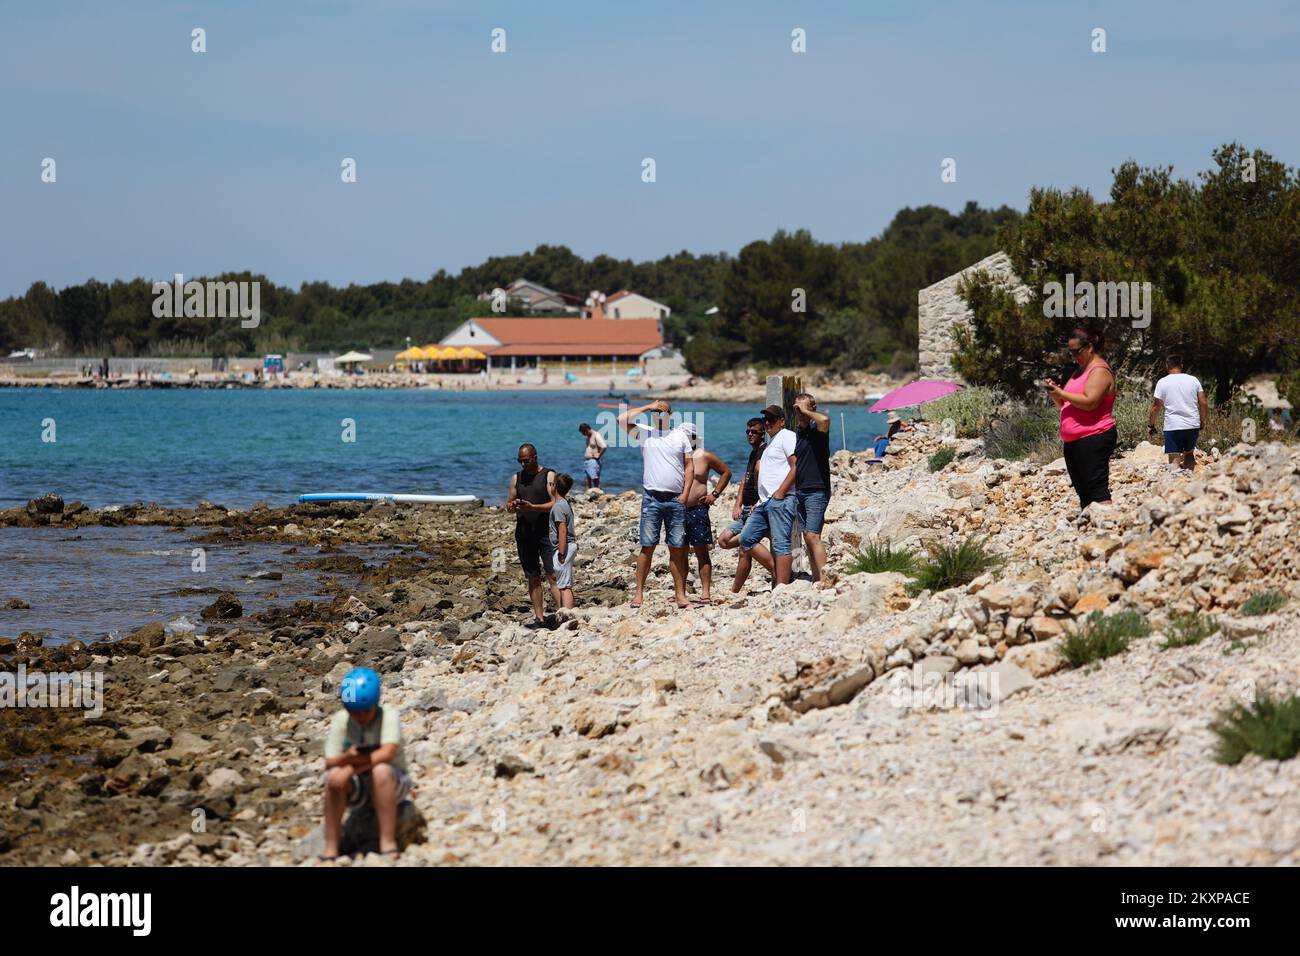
x=817 y=724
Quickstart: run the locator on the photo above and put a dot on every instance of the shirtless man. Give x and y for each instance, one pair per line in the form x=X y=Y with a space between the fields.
x=699 y=530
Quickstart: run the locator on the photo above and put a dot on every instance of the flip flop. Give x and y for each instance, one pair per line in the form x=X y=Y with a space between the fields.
x=322 y=858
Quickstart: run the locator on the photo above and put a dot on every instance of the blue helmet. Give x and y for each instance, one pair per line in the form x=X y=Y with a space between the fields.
x=360 y=689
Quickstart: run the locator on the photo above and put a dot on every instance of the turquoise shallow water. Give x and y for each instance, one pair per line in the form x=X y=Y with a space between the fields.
x=238 y=447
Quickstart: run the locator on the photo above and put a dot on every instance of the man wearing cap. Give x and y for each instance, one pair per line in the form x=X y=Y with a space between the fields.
x=667 y=476
x=699 y=529
x=746 y=498
x=773 y=516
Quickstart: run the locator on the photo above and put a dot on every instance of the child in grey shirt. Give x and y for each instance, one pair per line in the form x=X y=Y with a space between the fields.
x=563 y=539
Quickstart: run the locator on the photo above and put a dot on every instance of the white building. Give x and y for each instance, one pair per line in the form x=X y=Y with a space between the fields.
x=632 y=305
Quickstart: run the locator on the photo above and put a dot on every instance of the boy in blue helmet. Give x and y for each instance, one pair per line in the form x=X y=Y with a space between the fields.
x=364 y=764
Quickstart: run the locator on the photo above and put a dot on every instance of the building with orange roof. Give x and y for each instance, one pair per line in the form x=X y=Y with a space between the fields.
x=541 y=342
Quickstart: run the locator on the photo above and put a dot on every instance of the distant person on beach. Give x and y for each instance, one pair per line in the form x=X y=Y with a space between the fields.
x=564 y=539
x=532 y=492
x=592 y=454
x=666 y=477
x=746 y=498
x=812 y=480
x=364 y=763
x=773 y=516
x=699 y=529
x=1088 y=432
x=1186 y=411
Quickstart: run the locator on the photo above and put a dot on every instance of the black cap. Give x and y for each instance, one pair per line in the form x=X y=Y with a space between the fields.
x=773 y=413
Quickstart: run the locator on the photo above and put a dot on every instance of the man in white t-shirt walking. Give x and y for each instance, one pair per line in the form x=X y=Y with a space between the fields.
x=1186 y=411
x=773 y=516
x=667 y=475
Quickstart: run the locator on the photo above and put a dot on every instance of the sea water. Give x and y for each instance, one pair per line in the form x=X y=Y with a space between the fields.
x=236 y=447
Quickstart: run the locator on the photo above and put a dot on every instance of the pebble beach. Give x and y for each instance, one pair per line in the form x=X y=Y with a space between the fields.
x=791 y=726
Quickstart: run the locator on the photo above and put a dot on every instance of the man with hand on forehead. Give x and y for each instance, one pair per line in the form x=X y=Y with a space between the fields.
x=667 y=476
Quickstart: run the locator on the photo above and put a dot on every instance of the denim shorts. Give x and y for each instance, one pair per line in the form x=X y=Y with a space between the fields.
x=773 y=520
x=812 y=510
x=592 y=468
x=1181 y=440
x=662 y=510
x=699 y=531
x=736 y=526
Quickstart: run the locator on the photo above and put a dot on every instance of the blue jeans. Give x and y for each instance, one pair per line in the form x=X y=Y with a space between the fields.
x=660 y=509
x=812 y=509
x=773 y=520
x=738 y=525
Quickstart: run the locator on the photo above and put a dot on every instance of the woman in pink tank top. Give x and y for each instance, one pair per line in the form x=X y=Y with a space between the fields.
x=1088 y=430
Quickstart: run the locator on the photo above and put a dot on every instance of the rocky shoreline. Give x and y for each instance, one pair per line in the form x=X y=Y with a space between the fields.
x=784 y=727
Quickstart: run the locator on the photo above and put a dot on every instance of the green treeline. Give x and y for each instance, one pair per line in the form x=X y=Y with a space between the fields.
x=859 y=300
x=1221 y=253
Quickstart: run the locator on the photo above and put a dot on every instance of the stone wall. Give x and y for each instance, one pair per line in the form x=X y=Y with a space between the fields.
x=939 y=308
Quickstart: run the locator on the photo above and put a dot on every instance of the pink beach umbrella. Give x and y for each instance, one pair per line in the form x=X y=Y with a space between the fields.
x=917 y=393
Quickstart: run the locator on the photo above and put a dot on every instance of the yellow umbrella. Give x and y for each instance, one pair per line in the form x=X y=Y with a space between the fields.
x=471 y=353
x=412 y=353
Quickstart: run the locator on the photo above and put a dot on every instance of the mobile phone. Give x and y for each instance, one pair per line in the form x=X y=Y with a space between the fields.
x=367 y=748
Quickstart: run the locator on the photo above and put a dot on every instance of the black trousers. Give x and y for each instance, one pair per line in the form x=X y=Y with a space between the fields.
x=1088 y=462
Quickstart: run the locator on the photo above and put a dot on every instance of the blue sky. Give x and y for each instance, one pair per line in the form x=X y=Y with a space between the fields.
x=171 y=161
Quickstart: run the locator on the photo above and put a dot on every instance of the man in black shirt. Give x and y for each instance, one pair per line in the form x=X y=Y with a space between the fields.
x=532 y=492
x=812 y=480
x=746 y=498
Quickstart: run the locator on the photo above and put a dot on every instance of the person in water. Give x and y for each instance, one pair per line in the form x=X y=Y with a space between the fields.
x=592 y=454
x=532 y=491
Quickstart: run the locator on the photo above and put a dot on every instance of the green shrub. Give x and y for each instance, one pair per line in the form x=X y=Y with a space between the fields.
x=1103 y=636
x=952 y=565
x=1023 y=430
x=970 y=410
x=939 y=460
x=1269 y=727
x=877 y=557
x=1266 y=602
x=1188 y=629
x=1131 y=413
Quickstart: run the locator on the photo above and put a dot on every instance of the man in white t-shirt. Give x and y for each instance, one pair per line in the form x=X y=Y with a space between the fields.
x=773 y=516
x=666 y=478
x=1183 y=401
